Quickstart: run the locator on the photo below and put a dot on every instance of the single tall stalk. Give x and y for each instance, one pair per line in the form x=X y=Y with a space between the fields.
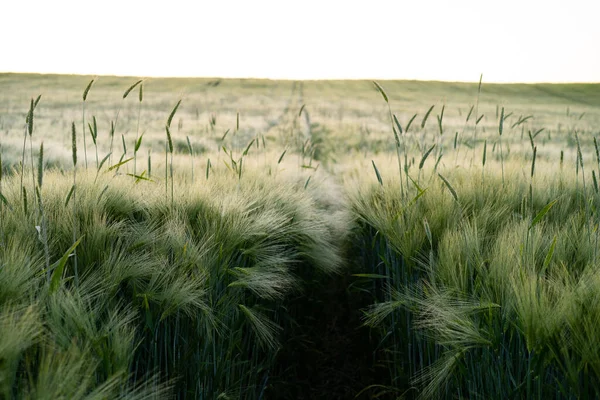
x=483 y=164
x=168 y=168
x=137 y=131
x=597 y=198
x=85 y=94
x=23 y=157
x=43 y=222
x=28 y=128
x=113 y=127
x=169 y=148
x=191 y=150
x=587 y=210
x=477 y=119
x=94 y=133
x=396 y=138
x=125 y=94
x=500 y=130
x=533 y=158
x=149 y=163
x=74 y=153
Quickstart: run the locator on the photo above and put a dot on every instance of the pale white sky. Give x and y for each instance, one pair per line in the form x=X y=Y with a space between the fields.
x=507 y=40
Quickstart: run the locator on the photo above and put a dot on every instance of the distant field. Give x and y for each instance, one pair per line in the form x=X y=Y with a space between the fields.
x=256 y=239
x=343 y=118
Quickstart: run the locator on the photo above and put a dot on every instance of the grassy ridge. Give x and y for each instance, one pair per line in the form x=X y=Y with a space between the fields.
x=487 y=295
x=191 y=291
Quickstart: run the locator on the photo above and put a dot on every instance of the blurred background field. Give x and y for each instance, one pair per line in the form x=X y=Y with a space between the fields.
x=343 y=119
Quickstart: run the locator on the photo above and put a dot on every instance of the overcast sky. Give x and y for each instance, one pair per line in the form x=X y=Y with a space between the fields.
x=456 y=40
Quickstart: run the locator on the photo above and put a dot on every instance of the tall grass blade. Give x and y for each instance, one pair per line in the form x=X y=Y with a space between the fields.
x=410 y=123
x=548 y=258
x=169 y=139
x=531 y=140
x=450 y=188
x=25 y=205
x=40 y=175
x=521 y=120
x=424 y=121
x=380 y=89
x=424 y=158
x=131 y=88
x=120 y=164
x=377 y=173
x=138 y=143
x=4 y=200
x=470 y=112
x=69 y=195
x=30 y=118
x=74 y=143
x=87 y=90
x=542 y=213
x=106 y=157
x=307 y=182
x=484 y=152
x=440 y=118
x=59 y=268
x=245 y=153
x=398 y=124
x=281 y=156
x=538 y=132
x=170 y=119
x=501 y=122
x=533 y=161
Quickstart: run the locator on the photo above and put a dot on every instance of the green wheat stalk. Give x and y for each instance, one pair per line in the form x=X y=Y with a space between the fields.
x=85 y=95
x=191 y=151
x=500 y=130
x=477 y=117
x=580 y=160
x=93 y=128
x=169 y=149
x=74 y=195
x=483 y=160
x=396 y=138
x=30 y=130
x=138 y=140
x=149 y=163
x=533 y=158
x=44 y=222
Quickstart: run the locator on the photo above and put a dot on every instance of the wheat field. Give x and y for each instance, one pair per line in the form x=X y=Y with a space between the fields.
x=256 y=239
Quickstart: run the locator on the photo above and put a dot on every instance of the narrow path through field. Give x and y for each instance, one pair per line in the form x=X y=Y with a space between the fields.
x=329 y=354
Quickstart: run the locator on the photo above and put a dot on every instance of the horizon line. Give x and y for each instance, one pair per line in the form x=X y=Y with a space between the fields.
x=108 y=75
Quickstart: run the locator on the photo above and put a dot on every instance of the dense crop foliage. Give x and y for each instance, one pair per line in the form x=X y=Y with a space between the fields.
x=193 y=289
x=492 y=294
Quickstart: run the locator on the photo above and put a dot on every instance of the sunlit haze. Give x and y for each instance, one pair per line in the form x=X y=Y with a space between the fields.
x=507 y=41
